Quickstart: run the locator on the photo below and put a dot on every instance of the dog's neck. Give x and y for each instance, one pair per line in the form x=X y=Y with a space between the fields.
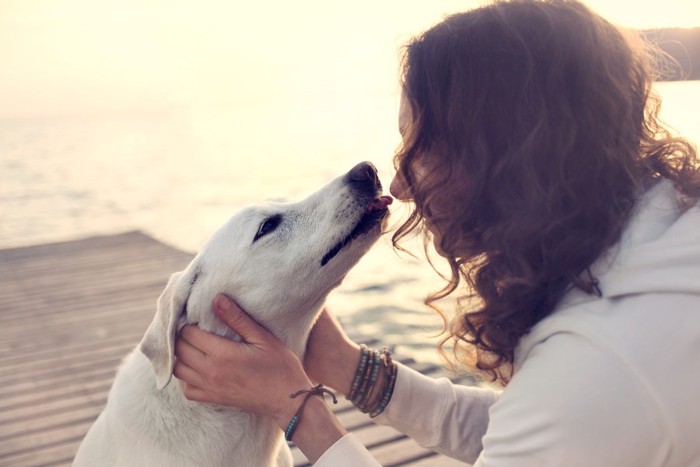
x=295 y=337
x=291 y=328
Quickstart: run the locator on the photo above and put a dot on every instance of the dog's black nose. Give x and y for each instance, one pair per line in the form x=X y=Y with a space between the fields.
x=364 y=173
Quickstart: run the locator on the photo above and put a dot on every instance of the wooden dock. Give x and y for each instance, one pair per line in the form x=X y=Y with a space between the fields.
x=69 y=312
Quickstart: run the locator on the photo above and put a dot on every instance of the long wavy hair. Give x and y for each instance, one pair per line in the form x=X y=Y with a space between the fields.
x=538 y=131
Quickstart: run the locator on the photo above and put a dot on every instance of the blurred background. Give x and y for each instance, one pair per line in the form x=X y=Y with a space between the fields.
x=167 y=116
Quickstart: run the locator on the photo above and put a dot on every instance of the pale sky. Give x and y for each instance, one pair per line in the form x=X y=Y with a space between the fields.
x=78 y=57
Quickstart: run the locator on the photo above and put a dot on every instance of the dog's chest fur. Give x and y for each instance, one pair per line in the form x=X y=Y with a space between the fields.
x=164 y=428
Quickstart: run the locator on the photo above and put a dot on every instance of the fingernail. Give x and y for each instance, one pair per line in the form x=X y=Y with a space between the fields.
x=223 y=302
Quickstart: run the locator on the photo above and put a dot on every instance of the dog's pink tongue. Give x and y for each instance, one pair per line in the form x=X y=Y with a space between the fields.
x=380 y=203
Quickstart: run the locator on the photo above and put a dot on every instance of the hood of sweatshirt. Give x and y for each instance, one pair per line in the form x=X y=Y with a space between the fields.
x=658 y=252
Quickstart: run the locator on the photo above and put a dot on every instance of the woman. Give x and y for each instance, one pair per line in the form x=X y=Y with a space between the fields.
x=534 y=160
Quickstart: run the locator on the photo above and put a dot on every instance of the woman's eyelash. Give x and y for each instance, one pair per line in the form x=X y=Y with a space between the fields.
x=267 y=226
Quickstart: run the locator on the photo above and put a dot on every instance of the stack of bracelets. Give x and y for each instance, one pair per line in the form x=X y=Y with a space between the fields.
x=363 y=386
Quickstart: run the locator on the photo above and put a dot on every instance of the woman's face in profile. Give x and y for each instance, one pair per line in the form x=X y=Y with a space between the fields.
x=398 y=188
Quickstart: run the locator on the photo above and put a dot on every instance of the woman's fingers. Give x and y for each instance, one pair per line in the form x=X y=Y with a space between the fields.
x=205 y=342
x=187 y=352
x=190 y=361
x=186 y=374
x=238 y=320
x=195 y=393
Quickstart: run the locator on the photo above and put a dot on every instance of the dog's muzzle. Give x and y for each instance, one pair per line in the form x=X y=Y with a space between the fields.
x=366 y=187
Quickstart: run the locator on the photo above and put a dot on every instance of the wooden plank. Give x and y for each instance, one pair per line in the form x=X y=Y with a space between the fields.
x=33 y=358
x=70 y=312
x=119 y=242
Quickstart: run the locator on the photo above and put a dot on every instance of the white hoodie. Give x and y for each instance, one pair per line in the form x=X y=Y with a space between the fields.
x=602 y=381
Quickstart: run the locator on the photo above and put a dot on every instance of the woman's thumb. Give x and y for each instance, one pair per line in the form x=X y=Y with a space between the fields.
x=234 y=317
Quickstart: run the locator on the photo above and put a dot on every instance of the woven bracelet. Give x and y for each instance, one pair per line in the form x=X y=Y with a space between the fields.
x=367 y=397
x=362 y=392
x=390 y=371
x=386 y=364
x=314 y=391
x=365 y=385
x=364 y=356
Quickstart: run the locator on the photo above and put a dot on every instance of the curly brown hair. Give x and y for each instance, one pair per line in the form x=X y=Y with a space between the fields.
x=538 y=129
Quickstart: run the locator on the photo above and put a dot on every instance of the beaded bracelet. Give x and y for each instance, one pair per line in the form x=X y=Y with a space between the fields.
x=366 y=384
x=362 y=404
x=364 y=355
x=391 y=370
x=389 y=367
x=363 y=387
x=314 y=391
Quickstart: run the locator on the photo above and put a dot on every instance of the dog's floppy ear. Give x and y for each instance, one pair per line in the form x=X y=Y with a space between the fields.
x=158 y=344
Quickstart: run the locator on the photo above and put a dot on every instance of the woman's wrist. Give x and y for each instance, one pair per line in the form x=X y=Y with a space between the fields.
x=331 y=356
x=341 y=367
x=316 y=429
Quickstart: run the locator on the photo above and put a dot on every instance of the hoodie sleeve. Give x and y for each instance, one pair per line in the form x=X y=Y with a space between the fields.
x=348 y=451
x=573 y=403
x=439 y=415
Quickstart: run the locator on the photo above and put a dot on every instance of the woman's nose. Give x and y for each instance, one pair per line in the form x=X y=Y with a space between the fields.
x=398 y=189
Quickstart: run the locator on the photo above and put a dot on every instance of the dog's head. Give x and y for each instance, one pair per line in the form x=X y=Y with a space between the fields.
x=279 y=261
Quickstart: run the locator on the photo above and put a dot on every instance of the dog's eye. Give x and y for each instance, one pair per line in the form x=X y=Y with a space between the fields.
x=267 y=226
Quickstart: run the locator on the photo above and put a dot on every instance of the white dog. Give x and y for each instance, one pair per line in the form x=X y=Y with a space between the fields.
x=279 y=262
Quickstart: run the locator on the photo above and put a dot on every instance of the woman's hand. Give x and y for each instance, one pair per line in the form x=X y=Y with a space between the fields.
x=331 y=357
x=256 y=375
